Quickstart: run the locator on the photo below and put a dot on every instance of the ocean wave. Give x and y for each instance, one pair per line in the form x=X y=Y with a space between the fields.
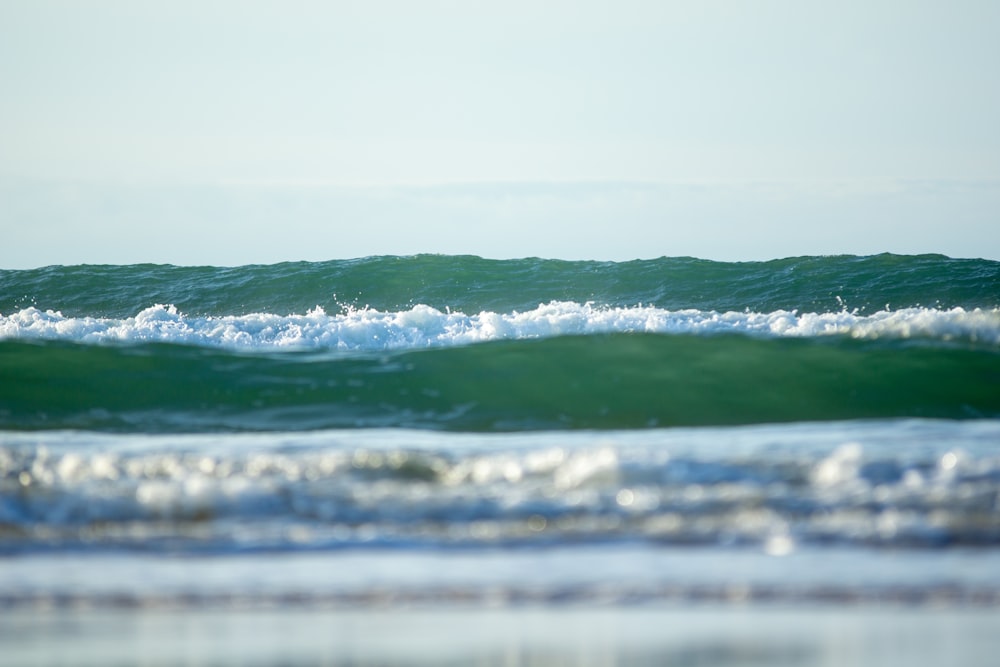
x=423 y=326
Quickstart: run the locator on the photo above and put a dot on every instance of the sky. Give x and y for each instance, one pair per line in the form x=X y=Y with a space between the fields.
x=234 y=131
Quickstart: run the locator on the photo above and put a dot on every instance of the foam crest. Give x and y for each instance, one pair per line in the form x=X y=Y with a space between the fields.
x=424 y=326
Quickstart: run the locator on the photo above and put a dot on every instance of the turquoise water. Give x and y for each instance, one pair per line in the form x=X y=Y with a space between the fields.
x=466 y=344
x=472 y=284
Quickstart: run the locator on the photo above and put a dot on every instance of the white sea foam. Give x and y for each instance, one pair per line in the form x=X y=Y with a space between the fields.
x=924 y=484
x=424 y=326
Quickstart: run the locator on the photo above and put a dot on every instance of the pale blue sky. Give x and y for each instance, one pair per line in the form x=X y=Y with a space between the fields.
x=232 y=131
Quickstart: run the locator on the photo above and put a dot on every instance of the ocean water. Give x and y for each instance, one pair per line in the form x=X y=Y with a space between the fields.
x=335 y=441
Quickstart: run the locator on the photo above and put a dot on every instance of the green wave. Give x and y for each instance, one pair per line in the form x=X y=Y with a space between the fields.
x=599 y=382
x=473 y=284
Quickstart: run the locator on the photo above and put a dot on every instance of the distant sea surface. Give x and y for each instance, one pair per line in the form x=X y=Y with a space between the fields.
x=450 y=430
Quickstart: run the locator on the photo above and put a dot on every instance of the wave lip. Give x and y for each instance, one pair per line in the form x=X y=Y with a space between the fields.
x=422 y=326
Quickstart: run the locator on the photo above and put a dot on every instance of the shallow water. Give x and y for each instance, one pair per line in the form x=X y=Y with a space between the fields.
x=535 y=636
